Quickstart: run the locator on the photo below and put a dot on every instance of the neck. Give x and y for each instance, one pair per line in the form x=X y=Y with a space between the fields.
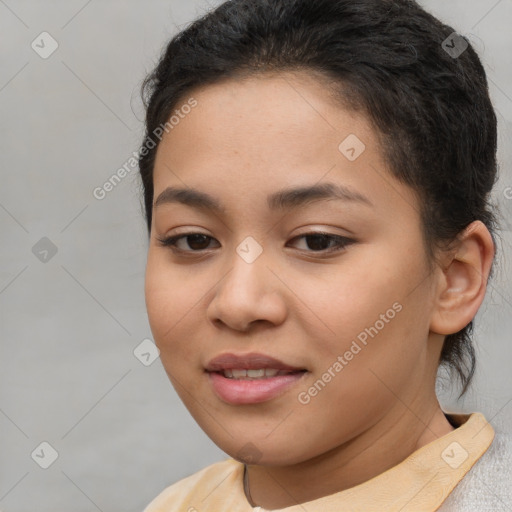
x=382 y=446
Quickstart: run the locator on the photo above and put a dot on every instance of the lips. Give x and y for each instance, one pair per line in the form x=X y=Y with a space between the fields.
x=251 y=378
x=251 y=361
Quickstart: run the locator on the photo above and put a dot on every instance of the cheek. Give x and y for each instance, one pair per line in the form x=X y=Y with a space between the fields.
x=169 y=303
x=346 y=303
x=377 y=315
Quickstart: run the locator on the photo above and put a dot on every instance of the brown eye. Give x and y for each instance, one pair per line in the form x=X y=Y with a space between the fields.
x=195 y=241
x=325 y=242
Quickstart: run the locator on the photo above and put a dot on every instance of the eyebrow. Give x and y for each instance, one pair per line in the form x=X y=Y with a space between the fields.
x=283 y=199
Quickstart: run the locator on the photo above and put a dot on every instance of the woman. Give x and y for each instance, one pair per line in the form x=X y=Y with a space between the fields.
x=320 y=241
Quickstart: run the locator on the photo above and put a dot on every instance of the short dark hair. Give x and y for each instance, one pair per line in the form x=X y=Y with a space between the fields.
x=390 y=60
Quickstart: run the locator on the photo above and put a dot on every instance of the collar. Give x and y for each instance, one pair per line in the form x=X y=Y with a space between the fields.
x=422 y=481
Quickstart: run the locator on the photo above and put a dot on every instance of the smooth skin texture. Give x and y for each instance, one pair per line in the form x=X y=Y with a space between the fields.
x=297 y=302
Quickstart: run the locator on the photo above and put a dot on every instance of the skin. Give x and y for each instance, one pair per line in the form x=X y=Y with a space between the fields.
x=243 y=141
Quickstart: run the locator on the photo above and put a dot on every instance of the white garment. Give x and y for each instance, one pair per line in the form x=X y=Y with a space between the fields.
x=487 y=487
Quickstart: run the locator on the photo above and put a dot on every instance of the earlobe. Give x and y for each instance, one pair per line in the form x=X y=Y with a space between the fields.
x=463 y=280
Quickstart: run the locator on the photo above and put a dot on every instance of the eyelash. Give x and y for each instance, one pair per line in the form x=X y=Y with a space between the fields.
x=341 y=242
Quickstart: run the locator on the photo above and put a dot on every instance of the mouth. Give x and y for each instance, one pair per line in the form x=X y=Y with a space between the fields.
x=251 y=378
x=258 y=374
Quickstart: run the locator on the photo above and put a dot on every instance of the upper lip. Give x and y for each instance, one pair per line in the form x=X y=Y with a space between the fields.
x=252 y=361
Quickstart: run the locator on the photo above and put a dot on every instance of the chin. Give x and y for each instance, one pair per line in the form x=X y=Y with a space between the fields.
x=249 y=449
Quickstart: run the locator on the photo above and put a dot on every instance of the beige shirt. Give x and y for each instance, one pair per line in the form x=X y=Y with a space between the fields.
x=420 y=483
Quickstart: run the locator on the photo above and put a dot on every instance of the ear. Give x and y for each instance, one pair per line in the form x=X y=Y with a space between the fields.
x=463 y=280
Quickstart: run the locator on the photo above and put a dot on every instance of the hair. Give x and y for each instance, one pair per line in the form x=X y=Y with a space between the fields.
x=431 y=111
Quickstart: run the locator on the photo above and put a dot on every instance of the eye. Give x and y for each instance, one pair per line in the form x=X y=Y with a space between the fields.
x=319 y=242
x=196 y=241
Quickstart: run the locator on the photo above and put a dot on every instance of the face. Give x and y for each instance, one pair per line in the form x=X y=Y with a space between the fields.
x=326 y=288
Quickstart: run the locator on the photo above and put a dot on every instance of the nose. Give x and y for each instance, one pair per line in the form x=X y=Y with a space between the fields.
x=249 y=294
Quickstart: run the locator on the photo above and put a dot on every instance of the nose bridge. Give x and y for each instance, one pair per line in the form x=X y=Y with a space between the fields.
x=247 y=293
x=248 y=270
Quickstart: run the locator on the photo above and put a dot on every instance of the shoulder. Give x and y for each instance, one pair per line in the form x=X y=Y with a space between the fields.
x=188 y=493
x=488 y=484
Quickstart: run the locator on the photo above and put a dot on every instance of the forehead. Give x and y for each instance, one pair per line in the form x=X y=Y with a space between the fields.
x=268 y=120
x=268 y=132
x=280 y=115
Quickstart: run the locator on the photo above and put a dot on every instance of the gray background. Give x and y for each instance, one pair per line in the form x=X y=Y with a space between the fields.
x=69 y=325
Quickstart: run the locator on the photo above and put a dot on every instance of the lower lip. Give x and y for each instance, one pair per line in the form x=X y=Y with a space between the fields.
x=238 y=391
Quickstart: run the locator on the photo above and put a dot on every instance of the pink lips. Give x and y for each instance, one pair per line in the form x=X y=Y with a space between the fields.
x=240 y=391
x=252 y=361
